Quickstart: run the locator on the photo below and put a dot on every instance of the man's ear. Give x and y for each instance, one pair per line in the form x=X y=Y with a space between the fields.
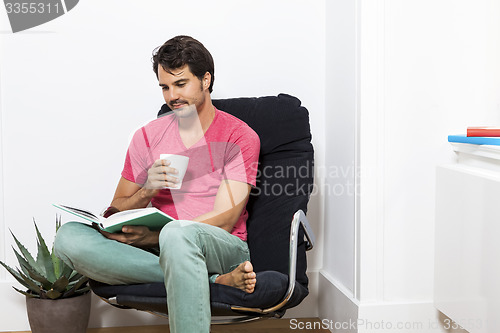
x=206 y=80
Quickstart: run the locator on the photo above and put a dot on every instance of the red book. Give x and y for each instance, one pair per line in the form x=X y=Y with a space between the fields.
x=483 y=131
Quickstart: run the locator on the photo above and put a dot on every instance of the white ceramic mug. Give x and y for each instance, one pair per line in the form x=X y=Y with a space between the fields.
x=178 y=162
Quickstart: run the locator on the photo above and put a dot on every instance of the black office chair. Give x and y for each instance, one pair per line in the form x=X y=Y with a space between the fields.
x=277 y=222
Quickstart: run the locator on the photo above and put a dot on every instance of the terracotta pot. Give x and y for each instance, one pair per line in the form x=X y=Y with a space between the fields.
x=67 y=315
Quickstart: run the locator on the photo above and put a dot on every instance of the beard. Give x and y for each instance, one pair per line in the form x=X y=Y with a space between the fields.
x=187 y=111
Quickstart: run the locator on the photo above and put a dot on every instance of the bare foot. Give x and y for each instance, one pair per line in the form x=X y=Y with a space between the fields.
x=242 y=277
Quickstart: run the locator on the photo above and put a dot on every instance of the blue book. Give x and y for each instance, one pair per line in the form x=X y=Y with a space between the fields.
x=476 y=140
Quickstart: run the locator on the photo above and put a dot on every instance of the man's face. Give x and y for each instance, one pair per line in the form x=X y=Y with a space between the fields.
x=181 y=89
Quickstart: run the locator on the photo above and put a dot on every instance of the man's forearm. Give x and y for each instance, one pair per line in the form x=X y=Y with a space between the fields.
x=139 y=199
x=216 y=219
x=222 y=219
x=230 y=201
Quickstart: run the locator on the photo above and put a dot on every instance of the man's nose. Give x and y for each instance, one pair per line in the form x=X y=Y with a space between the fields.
x=173 y=94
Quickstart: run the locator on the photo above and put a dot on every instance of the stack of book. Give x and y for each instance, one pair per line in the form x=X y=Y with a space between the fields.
x=478 y=136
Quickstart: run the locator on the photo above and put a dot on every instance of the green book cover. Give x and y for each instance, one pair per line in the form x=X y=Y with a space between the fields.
x=151 y=217
x=154 y=221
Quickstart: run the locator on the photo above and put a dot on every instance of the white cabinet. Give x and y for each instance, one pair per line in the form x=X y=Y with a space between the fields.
x=467 y=247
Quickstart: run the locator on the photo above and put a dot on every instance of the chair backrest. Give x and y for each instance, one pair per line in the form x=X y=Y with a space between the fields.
x=284 y=179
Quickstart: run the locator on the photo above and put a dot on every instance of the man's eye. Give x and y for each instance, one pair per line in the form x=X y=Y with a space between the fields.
x=164 y=88
x=181 y=85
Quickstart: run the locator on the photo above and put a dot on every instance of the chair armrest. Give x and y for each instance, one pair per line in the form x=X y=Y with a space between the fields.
x=311 y=239
x=299 y=218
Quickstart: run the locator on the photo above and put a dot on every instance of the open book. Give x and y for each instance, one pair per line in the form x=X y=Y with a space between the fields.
x=151 y=217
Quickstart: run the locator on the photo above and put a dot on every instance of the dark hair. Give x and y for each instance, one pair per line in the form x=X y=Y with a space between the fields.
x=184 y=50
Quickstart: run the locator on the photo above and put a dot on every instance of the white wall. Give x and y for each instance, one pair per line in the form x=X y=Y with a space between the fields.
x=426 y=69
x=341 y=133
x=438 y=78
x=337 y=275
x=2 y=220
x=73 y=90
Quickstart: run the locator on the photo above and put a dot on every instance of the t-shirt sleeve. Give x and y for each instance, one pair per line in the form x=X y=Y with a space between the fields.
x=138 y=159
x=242 y=157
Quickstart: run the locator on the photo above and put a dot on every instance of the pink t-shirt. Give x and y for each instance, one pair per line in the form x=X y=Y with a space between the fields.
x=229 y=150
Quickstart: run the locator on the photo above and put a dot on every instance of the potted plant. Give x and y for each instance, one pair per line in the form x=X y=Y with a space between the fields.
x=57 y=297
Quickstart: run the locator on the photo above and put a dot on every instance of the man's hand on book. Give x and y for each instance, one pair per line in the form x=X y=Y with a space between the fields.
x=138 y=236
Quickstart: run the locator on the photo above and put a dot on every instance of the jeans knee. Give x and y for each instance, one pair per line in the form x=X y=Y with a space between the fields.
x=176 y=236
x=65 y=239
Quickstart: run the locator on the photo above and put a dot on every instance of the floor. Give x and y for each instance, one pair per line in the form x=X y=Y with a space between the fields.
x=310 y=325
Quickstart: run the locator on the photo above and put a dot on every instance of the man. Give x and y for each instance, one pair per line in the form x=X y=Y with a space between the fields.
x=207 y=242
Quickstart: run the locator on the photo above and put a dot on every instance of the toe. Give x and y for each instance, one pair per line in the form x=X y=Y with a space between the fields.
x=247 y=266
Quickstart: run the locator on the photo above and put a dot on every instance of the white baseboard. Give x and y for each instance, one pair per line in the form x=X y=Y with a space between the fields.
x=12 y=308
x=421 y=317
x=340 y=312
x=337 y=309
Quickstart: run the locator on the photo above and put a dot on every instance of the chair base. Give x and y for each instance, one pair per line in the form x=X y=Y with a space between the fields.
x=230 y=316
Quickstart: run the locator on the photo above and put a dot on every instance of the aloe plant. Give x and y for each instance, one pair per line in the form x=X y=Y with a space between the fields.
x=47 y=276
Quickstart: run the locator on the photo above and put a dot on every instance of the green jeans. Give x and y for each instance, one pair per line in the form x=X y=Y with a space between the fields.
x=190 y=253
